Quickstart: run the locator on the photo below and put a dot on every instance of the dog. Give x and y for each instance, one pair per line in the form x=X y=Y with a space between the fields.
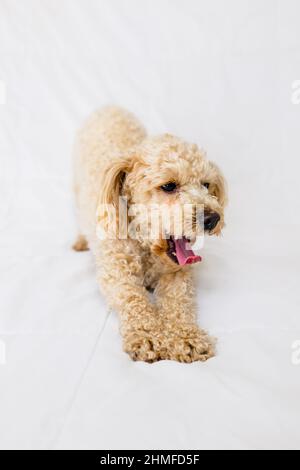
x=116 y=161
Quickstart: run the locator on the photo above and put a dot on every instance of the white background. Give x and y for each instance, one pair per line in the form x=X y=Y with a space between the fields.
x=216 y=73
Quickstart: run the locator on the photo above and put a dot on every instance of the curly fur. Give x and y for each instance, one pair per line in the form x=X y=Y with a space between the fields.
x=113 y=157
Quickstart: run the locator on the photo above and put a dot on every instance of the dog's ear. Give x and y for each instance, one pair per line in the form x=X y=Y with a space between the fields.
x=113 y=179
x=219 y=185
x=111 y=184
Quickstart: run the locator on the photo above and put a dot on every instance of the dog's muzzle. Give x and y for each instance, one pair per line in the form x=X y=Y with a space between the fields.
x=211 y=220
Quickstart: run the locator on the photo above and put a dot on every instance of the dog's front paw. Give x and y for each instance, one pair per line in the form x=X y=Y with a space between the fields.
x=189 y=344
x=144 y=346
x=184 y=344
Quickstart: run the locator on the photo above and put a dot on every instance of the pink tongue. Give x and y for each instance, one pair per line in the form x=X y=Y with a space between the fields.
x=185 y=255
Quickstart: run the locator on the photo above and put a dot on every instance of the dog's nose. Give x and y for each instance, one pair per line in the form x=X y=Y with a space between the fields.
x=211 y=220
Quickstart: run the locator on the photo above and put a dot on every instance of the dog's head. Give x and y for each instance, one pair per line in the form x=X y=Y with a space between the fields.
x=174 y=195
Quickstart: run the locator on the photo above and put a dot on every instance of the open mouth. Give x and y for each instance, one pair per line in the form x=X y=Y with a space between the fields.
x=180 y=252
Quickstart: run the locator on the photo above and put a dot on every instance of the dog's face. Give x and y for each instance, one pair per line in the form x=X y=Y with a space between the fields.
x=170 y=180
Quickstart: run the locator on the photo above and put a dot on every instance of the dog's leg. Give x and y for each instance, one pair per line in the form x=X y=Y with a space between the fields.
x=81 y=244
x=186 y=342
x=140 y=324
x=121 y=280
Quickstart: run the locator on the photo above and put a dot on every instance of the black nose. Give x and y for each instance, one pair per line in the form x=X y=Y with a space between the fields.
x=211 y=220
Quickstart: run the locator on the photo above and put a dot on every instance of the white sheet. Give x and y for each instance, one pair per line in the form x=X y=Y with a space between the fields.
x=217 y=73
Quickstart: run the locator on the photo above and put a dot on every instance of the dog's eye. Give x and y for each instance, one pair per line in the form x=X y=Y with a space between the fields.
x=206 y=185
x=169 y=187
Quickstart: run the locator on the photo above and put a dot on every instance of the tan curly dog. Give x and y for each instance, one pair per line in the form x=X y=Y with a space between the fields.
x=116 y=161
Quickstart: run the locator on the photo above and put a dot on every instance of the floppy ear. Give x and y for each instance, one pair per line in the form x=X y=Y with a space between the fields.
x=111 y=183
x=113 y=177
x=219 y=186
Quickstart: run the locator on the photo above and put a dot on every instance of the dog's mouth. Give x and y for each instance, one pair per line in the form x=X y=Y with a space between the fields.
x=180 y=252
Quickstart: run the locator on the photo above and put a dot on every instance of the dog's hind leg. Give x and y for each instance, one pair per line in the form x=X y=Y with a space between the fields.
x=81 y=244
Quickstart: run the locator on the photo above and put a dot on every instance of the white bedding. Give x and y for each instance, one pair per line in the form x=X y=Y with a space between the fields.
x=217 y=73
